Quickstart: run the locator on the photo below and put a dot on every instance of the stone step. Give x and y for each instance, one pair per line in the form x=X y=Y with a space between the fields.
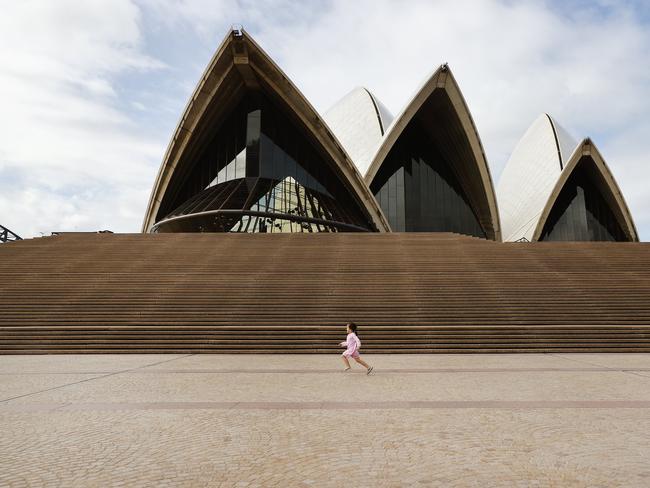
x=293 y=293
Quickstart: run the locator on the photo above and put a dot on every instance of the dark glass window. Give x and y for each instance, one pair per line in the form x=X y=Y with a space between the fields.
x=280 y=171
x=419 y=192
x=581 y=213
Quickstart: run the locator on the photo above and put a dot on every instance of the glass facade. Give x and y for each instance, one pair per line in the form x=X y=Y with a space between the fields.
x=418 y=190
x=257 y=163
x=580 y=212
x=258 y=205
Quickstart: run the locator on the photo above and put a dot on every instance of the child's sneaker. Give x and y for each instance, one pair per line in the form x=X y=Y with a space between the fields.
x=369 y=370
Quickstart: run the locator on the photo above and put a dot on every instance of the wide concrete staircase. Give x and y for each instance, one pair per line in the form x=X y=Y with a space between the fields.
x=293 y=293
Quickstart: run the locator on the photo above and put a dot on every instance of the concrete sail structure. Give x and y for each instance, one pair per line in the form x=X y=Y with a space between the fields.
x=555 y=189
x=430 y=173
x=359 y=120
x=586 y=203
x=251 y=154
x=530 y=175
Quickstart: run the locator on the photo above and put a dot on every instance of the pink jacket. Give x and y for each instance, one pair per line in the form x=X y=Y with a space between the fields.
x=352 y=343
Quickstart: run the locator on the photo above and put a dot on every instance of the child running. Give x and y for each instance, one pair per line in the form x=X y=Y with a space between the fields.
x=353 y=345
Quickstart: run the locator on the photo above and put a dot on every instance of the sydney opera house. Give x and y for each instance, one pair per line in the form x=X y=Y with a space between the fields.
x=252 y=155
x=269 y=225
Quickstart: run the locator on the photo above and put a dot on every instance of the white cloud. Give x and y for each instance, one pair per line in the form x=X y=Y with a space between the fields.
x=72 y=126
x=65 y=141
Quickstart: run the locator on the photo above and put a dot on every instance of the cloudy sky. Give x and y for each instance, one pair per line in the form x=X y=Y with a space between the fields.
x=91 y=91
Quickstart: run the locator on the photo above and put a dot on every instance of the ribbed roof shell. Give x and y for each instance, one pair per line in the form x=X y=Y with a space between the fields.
x=530 y=175
x=536 y=172
x=359 y=121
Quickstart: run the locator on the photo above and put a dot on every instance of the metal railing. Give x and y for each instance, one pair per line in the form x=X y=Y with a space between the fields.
x=7 y=236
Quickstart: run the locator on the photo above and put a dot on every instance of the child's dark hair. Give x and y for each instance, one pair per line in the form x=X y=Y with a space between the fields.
x=353 y=328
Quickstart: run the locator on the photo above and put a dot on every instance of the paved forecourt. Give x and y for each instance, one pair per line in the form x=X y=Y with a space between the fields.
x=279 y=420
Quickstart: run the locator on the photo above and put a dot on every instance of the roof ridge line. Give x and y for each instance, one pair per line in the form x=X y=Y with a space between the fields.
x=557 y=142
x=374 y=104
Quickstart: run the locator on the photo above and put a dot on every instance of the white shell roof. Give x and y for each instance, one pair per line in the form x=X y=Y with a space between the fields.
x=530 y=175
x=359 y=121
